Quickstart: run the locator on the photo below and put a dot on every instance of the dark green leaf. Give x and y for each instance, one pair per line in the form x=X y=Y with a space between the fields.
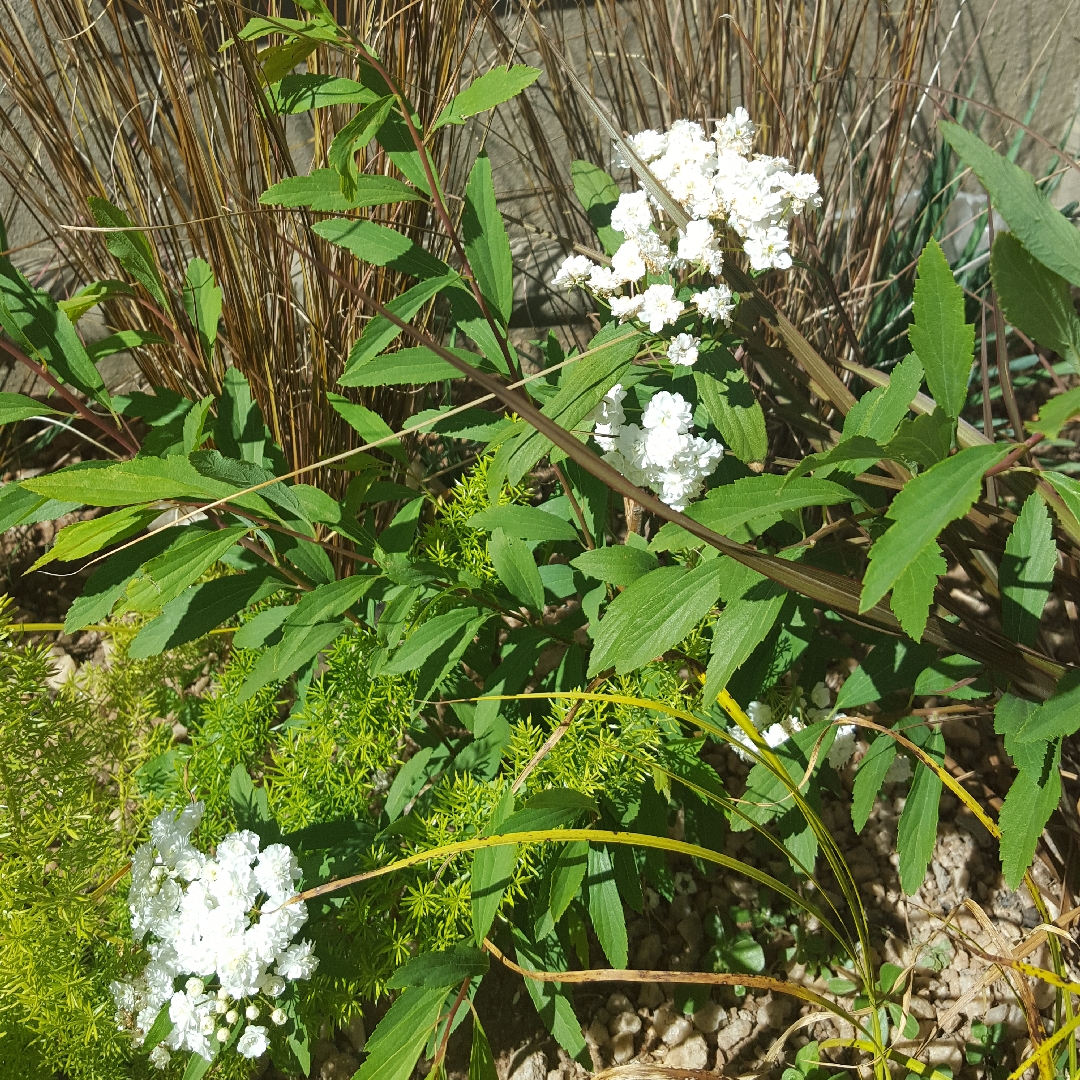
x=299 y=93
x=492 y=871
x=520 y=654
x=514 y=563
x=410 y=778
x=567 y=876
x=239 y=431
x=653 y=614
x=202 y=302
x=870 y=776
x=944 y=342
x=130 y=247
x=424 y=640
x=197 y=1067
x=370 y=426
x=355 y=135
x=121 y=342
x=407 y=367
x=913 y=592
x=159 y=1029
x=1027 y=572
x=1056 y=413
x=943 y=675
x=619 y=564
x=298 y=645
x=726 y=392
x=250 y=804
x=1055 y=718
x=401 y=1035
x=447 y=968
x=892 y=665
x=321 y=191
x=15 y=407
x=485 y=240
x=523 y=522
x=924 y=441
x=552 y=1000
x=20 y=506
x=928 y=503
x=1031 y=799
x=605 y=906
x=877 y=413
x=259 y=630
x=381 y=246
x=598 y=194
x=491 y=89
x=916 y=833
x=83 y=538
x=1042 y=229
x=481 y=1061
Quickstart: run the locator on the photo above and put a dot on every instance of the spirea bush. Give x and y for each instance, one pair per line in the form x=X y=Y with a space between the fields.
x=457 y=725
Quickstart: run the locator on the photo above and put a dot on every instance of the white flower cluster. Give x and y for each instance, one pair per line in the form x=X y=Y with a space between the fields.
x=718 y=182
x=776 y=733
x=661 y=454
x=223 y=918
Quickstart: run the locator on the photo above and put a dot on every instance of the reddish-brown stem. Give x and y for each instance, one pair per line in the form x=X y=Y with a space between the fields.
x=70 y=398
x=441 y=1052
x=988 y=414
x=575 y=506
x=1004 y=375
x=1015 y=455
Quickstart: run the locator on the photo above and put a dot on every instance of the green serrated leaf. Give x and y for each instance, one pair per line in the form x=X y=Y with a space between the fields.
x=924 y=440
x=445 y=968
x=739 y=629
x=877 y=413
x=567 y=875
x=524 y=522
x=121 y=341
x=15 y=407
x=916 y=833
x=130 y=247
x=354 y=136
x=410 y=778
x=140 y=480
x=299 y=93
x=913 y=592
x=381 y=246
x=85 y=537
x=726 y=391
x=1026 y=575
x=202 y=302
x=370 y=426
x=869 y=777
x=1031 y=799
x=481 y=1060
x=605 y=906
x=486 y=243
x=1043 y=230
x=297 y=646
x=1056 y=413
x=423 y=641
x=514 y=563
x=653 y=614
x=321 y=191
x=90 y=296
x=492 y=872
x=927 y=503
x=401 y=1035
x=944 y=342
x=618 y=564
x=491 y=89
x=407 y=367
x=598 y=194
x=277 y=61
x=892 y=665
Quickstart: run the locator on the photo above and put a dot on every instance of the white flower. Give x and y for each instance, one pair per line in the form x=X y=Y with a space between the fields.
x=683 y=350
x=608 y=417
x=298 y=962
x=776 y=735
x=628 y=263
x=821 y=696
x=649 y=144
x=760 y=714
x=715 y=304
x=278 y=1017
x=159 y=1056
x=767 y=249
x=659 y=307
x=194 y=987
x=843 y=746
x=276 y=872
x=272 y=985
x=222 y=1035
x=574 y=271
x=736 y=132
x=231 y=1017
x=632 y=214
x=899 y=771
x=698 y=243
x=252 y=1012
x=253 y=1043
x=626 y=307
x=603 y=280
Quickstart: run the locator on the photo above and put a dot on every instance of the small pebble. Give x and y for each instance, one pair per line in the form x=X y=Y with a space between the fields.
x=692 y=1054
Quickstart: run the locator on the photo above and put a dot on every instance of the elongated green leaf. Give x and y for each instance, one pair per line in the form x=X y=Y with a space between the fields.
x=1044 y=231
x=297 y=646
x=1056 y=717
x=227 y=474
x=200 y=609
x=853 y=455
x=739 y=629
x=491 y=89
x=91 y=295
x=1027 y=572
x=869 y=778
x=877 y=413
x=356 y=135
x=408 y=782
x=759 y=500
x=514 y=563
x=1031 y=799
x=610 y=354
x=524 y=522
x=15 y=407
x=892 y=665
x=381 y=332
x=197 y=1067
x=1057 y=412
x=920 y=511
x=370 y=426
x=567 y=876
x=108 y=583
x=598 y=194
x=121 y=341
x=45 y=333
x=1035 y=299
x=481 y=1060
x=423 y=641
x=943 y=341
x=85 y=537
x=321 y=191
x=605 y=906
x=130 y=247
x=140 y=480
x=916 y=833
x=942 y=677
x=653 y=614
x=443 y=660
x=401 y=1035
x=444 y=968
x=381 y=246
x=492 y=871
x=278 y=60
x=924 y=440
x=486 y=242
x=19 y=506
x=412 y=367
x=167 y=575
x=259 y=27
x=299 y=93
x=202 y=302
x=520 y=654
x=552 y=1000
x=913 y=592
x=239 y=431
x=619 y=564
x=726 y=391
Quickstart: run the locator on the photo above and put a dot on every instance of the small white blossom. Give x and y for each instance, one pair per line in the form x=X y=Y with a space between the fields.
x=626 y=307
x=222 y=1035
x=628 y=263
x=899 y=771
x=231 y=1017
x=298 y=962
x=252 y=1012
x=699 y=244
x=683 y=350
x=659 y=307
x=160 y=1056
x=632 y=214
x=821 y=696
x=603 y=280
x=715 y=304
x=608 y=417
x=278 y=1017
x=253 y=1043
x=760 y=714
x=843 y=746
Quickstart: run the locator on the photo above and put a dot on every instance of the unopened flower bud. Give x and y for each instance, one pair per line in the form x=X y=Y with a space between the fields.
x=194 y=987
x=278 y=1017
x=252 y=1012
x=231 y=1017
x=222 y=1035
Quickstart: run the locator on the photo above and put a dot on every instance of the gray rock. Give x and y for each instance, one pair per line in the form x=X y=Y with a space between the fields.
x=356 y=1032
x=733 y=1033
x=677 y=1030
x=338 y=1067
x=691 y=1054
x=596 y=1035
x=622 y=1047
x=650 y=995
x=708 y=1018
x=648 y=952
x=626 y=1023
x=534 y=1067
x=691 y=931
